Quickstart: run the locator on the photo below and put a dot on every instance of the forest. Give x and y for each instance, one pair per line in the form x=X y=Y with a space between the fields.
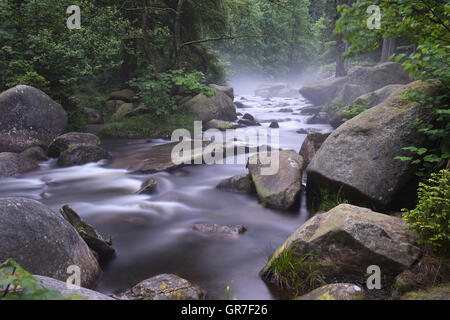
x=93 y=94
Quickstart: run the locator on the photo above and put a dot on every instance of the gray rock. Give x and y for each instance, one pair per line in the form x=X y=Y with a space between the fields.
x=93 y=116
x=286 y=110
x=241 y=184
x=346 y=240
x=65 y=291
x=360 y=80
x=310 y=110
x=359 y=156
x=274 y=125
x=42 y=242
x=221 y=125
x=12 y=164
x=219 y=232
x=205 y=108
x=80 y=154
x=248 y=116
x=335 y=291
x=320 y=118
x=164 y=287
x=229 y=91
x=311 y=145
x=29 y=117
x=65 y=141
x=269 y=90
x=35 y=153
x=248 y=123
x=282 y=189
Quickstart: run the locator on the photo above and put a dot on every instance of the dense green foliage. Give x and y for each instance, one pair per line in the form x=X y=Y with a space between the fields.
x=431 y=217
x=18 y=284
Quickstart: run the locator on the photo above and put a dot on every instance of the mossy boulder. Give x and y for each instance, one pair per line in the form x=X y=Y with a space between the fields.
x=229 y=91
x=346 y=240
x=126 y=95
x=441 y=292
x=359 y=156
x=29 y=117
x=335 y=291
x=164 y=287
x=205 y=108
x=35 y=153
x=221 y=125
x=65 y=141
x=122 y=111
x=43 y=242
x=280 y=189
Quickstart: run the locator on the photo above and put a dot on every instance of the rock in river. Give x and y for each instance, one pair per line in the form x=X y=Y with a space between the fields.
x=43 y=242
x=67 y=140
x=219 y=232
x=359 y=156
x=164 y=287
x=29 y=117
x=346 y=240
x=280 y=190
x=220 y=107
x=311 y=145
x=78 y=155
x=241 y=184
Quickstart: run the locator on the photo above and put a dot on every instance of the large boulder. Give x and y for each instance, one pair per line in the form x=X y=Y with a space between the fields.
x=164 y=287
x=12 y=164
x=65 y=141
x=282 y=189
x=311 y=145
x=66 y=291
x=360 y=80
x=81 y=154
x=268 y=90
x=42 y=242
x=205 y=108
x=29 y=117
x=343 y=242
x=359 y=156
x=229 y=91
x=367 y=101
x=335 y=291
x=35 y=153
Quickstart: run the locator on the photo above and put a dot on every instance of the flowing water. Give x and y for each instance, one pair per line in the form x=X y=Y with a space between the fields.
x=153 y=233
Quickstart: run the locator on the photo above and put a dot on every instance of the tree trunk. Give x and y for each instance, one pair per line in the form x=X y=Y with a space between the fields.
x=388 y=49
x=177 y=34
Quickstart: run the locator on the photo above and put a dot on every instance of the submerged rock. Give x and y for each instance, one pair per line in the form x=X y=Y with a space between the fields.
x=274 y=125
x=205 y=108
x=311 y=145
x=280 y=190
x=12 y=164
x=248 y=123
x=92 y=238
x=219 y=232
x=335 y=291
x=241 y=184
x=43 y=242
x=346 y=240
x=82 y=154
x=164 y=287
x=359 y=156
x=29 y=117
x=149 y=186
x=67 y=140
x=320 y=118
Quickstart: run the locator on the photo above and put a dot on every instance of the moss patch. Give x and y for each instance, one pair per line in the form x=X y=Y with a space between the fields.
x=149 y=126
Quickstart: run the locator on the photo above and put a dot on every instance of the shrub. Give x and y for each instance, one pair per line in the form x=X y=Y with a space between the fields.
x=430 y=218
x=13 y=277
x=35 y=80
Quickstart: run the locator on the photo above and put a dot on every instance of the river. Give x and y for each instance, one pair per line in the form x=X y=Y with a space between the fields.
x=152 y=233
